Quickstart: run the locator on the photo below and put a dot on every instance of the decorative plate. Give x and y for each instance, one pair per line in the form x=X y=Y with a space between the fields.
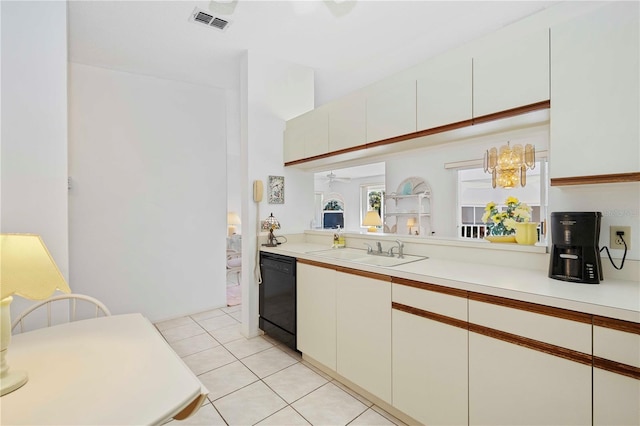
x=412 y=186
x=501 y=238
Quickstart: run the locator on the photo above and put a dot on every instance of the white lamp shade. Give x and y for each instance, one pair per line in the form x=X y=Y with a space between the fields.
x=233 y=218
x=27 y=269
x=372 y=219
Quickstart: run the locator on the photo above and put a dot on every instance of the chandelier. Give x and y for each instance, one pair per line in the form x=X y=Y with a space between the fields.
x=508 y=166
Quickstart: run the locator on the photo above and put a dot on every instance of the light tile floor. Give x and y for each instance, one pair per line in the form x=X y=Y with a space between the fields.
x=258 y=381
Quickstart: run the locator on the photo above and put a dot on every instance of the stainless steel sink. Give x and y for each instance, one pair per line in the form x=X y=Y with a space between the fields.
x=361 y=256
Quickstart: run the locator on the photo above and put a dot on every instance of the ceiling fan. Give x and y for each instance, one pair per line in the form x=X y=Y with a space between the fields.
x=332 y=177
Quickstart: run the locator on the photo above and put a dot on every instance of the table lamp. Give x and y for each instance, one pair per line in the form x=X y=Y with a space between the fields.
x=270 y=224
x=232 y=220
x=411 y=222
x=372 y=219
x=28 y=270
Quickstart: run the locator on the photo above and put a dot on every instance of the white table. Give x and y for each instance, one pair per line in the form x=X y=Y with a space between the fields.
x=115 y=370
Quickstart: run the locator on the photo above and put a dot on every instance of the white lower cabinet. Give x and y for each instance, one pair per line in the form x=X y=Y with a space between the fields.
x=316 y=313
x=364 y=332
x=616 y=399
x=429 y=358
x=447 y=357
x=520 y=380
x=513 y=385
x=616 y=373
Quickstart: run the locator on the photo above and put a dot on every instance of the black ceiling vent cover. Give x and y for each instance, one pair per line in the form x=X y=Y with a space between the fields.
x=208 y=19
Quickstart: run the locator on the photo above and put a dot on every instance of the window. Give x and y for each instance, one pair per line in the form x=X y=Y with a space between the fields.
x=371 y=198
x=475 y=191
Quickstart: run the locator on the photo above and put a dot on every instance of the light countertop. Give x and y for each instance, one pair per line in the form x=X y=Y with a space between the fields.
x=611 y=298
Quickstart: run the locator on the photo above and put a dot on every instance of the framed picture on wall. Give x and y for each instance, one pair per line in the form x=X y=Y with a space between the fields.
x=276 y=190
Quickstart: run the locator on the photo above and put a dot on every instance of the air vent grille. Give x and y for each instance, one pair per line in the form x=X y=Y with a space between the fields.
x=209 y=20
x=219 y=23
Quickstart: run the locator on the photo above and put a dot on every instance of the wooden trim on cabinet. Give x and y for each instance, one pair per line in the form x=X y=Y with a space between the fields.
x=346 y=270
x=532 y=307
x=430 y=315
x=547 y=348
x=512 y=112
x=421 y=133
x=430 y=287
x=596 y=179
x=616 y=324
x=616 y=367
x=318 y=264
x=432 y=131
x=361 y=273
x=326 y=155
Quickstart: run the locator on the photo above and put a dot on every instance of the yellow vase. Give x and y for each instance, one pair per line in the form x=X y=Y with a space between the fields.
x=526 y=233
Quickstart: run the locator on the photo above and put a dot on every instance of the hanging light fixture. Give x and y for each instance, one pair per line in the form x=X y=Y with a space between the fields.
x=508 y=166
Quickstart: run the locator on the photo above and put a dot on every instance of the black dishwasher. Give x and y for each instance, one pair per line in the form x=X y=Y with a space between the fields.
x=277 y=297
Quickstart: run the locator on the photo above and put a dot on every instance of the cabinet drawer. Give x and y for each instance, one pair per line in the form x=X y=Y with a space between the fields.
x=617 y=341
x=549 y=329
x=432 y=301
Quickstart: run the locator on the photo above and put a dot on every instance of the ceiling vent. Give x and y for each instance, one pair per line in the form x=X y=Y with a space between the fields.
x=201 y=17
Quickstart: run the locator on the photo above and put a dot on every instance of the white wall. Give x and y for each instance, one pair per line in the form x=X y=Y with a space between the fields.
x=234 y=158
x=34 y=125
x=619 y=204
x=272 y=91
x=147 y=208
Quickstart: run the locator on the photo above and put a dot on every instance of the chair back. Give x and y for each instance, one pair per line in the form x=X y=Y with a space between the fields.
x=78 y=306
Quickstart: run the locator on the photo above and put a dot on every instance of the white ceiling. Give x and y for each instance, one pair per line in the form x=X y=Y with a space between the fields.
x=348 y=43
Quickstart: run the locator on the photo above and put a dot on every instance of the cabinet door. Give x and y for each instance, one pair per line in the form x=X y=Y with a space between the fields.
x=364 y=333
x=391 y=111
x=444 y=93
x=316 y=136
x=512 y=73
x=513 y=385
x=294 y=140
x=430 y=381
x=595 y=93
x=347 y=122
x=307 y=135
x=616 y=396
x=316 y=313
x=527 y=367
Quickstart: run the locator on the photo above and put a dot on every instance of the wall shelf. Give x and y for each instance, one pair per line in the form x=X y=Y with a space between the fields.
x=412 y=199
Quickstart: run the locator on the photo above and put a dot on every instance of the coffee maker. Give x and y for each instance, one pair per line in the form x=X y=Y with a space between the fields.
x=575 y=255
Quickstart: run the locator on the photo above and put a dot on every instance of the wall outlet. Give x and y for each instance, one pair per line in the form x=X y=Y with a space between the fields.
x=614 y=240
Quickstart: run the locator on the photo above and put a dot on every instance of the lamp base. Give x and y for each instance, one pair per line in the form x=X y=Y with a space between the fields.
x=12 y=381
x=9 y=380
x=372 y=229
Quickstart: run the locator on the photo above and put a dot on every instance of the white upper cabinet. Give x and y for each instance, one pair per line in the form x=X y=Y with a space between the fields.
x=511 y=73
x=347 y=122
x=595 y=93
x=391 y=110
x=307 y=135
x=444 y=93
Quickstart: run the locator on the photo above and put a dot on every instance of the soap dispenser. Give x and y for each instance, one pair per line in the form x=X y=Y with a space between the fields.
x=340 y=239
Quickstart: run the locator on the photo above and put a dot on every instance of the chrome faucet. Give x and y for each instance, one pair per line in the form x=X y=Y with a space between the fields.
x=379 y=244
x=369 y=248
x=400 y=249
